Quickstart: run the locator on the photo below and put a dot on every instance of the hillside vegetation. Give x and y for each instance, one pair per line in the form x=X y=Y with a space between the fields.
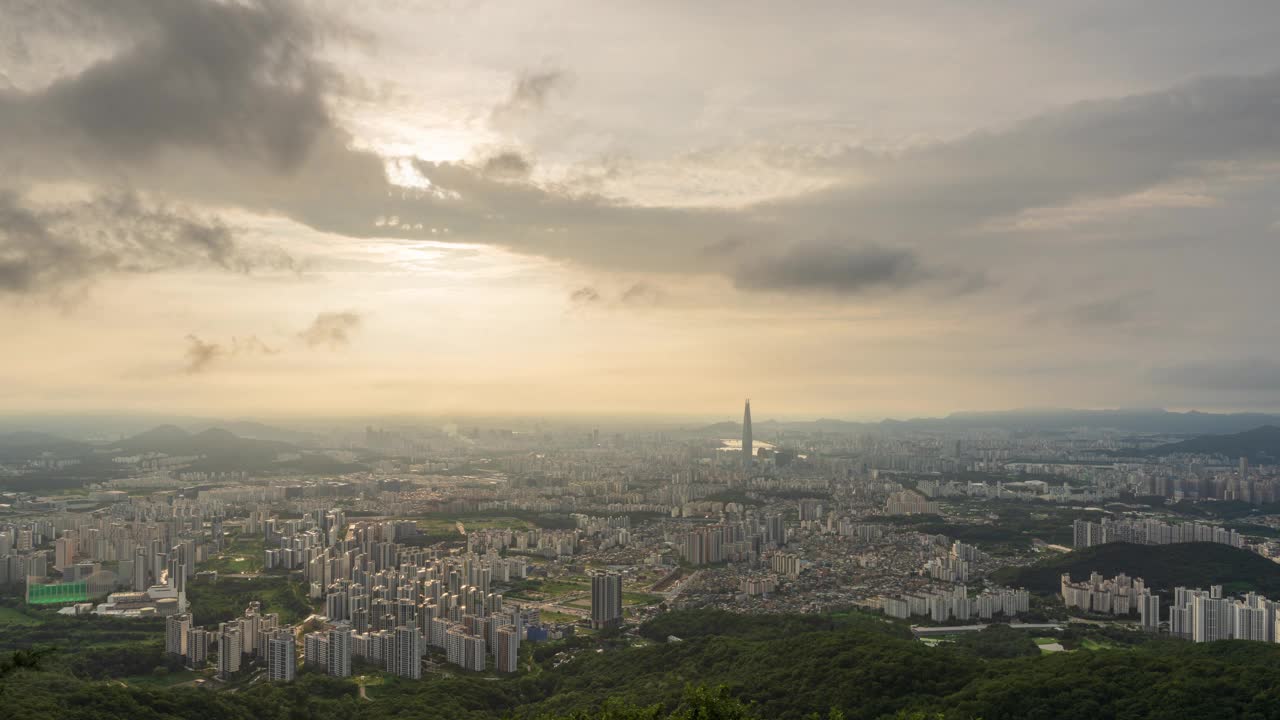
x=1260 y=445
x=768 y=667
x=1162 y=567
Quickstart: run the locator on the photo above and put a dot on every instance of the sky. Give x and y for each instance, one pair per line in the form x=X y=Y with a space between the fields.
x=840 y=209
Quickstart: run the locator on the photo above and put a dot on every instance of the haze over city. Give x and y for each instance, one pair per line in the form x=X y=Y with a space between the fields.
x=850 y=211
x=564 y=360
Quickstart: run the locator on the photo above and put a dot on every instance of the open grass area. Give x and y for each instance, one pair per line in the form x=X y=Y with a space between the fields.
x=156 y=681
x=14 y=616
x=445 y=526
x=243 y=556
x=560 y=587
x=628 y=599
x=1094 y=644
x=551 y=616
x=224 y=600
x=933 y=641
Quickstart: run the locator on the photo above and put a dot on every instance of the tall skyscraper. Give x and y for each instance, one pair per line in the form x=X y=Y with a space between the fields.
x=606 y=600
x=748 y=450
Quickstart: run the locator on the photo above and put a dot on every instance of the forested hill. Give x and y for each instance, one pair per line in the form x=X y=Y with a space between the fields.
x=854 y=666
x=1162 y=567
x=1260 y=445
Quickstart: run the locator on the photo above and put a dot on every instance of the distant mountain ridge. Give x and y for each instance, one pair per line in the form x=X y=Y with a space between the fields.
x=26 y=446
x=1139 y=420
x=173 y=440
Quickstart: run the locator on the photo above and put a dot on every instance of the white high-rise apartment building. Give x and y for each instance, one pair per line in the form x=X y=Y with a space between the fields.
x=176 y=629
x=197 y=648
x=339 y=650
x=282 y=655
x=406 y=660
x=606 y=600
x=230 y=649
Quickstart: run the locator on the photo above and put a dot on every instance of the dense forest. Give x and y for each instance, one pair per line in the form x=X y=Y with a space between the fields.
x=704 y=664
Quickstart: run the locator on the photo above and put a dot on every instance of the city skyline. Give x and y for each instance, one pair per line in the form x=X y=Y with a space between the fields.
x=364 y=359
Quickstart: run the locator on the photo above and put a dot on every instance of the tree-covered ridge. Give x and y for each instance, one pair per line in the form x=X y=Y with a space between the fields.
x=1162 y=567
x=731 y=667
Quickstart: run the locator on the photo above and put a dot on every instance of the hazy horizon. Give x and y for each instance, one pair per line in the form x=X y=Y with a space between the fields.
x=109 y=424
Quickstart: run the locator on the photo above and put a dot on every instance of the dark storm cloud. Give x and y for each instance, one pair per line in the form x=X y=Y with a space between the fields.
x=830 y=267
x=62 y=248
x=331 y=329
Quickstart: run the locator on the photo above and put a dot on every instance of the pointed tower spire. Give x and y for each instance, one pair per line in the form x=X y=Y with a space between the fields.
x=748 y=450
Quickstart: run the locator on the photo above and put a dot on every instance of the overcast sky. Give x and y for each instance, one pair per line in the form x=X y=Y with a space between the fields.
x=844 y=209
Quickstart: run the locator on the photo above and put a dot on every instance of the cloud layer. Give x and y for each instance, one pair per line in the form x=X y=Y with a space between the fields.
x=1002 y=200
x=331 y=330
x=59 y=249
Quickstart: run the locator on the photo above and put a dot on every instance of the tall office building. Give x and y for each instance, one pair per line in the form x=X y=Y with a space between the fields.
x=282 y=655
x=176 y=628
x=748 y=449
x=339 y=650
x=606 y=600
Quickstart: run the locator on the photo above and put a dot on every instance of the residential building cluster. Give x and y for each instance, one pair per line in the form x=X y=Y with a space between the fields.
x=1207 y=615
x=741 y=540
x=956 y=604
x=1120 y=595
x=1150 y=532
x=910 y=502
